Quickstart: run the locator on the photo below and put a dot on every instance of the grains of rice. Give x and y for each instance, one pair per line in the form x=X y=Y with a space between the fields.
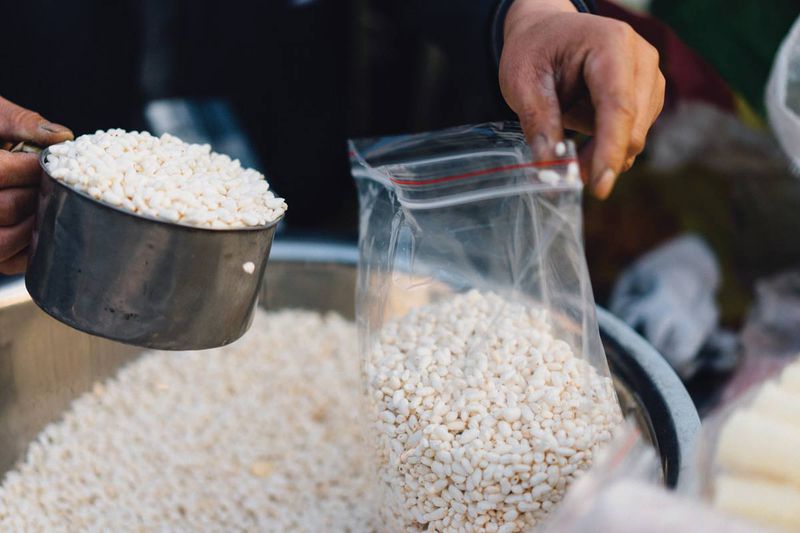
x=266 y=434
x=165 y=178
x=484 y=418
x=262 y=435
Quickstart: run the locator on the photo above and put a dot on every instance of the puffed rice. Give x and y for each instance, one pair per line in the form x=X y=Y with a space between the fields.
x=483 y=417
x=165 y=178
x=262 y=435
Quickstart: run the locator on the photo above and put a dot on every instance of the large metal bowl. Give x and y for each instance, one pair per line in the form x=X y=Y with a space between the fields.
x=139 y=280
x=44 y=365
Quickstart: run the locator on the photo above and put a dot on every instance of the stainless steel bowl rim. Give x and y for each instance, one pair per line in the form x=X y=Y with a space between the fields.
x=42 y=162
x=674 y=417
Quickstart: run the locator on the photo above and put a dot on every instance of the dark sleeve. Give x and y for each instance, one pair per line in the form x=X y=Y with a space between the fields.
x=583 y=6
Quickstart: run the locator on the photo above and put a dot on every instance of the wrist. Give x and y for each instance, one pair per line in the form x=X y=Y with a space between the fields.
x=528 y=10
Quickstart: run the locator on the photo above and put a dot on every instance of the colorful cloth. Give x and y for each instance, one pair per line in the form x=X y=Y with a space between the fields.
x=739 y=38
x=688 y=75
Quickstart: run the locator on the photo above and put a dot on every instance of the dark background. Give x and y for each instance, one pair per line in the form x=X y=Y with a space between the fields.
x=301 y=76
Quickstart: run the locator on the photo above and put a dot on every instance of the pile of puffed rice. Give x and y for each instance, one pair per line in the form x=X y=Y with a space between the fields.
x=265 y=434
x=165 y=178
x=262 y=435
x=483 y=418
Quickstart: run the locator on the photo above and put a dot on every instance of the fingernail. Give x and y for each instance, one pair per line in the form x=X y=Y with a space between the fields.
x=603 y=184
x=54 y=128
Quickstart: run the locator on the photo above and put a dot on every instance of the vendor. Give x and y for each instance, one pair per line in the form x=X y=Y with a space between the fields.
x=559 y=68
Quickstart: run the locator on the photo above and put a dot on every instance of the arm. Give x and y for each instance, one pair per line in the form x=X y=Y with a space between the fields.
x=499 y=21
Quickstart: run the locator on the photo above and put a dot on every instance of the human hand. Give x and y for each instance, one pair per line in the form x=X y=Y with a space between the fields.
x=561 y=69
x=19 y=180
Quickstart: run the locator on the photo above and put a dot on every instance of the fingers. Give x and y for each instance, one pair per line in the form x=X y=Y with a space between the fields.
x=20 y=124
x=19 y=170
x=14 y=239
x=585 y=159
x=629 y=163
x=606 y=75
x=17 y=204
x=649 y=99
x=650 y=102
x=609 y=75
x=16 y=264
x=19 y=174
x=540 y=116
x=580 y=117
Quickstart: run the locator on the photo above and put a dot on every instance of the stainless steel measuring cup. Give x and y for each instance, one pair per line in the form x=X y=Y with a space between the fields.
x=140 y=280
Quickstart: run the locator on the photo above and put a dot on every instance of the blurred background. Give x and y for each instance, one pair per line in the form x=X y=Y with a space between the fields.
x=709 y=212
x=280 y=84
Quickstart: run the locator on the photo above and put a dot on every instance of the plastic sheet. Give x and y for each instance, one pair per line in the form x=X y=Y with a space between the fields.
x=621 y=494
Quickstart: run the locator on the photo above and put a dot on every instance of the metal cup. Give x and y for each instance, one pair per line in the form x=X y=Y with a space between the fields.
x=140 y=280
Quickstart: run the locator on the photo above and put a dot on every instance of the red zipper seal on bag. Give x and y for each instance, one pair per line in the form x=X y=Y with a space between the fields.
x=474 y=173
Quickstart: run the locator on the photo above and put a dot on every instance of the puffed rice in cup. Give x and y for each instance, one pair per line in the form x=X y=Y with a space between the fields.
x=165 y=178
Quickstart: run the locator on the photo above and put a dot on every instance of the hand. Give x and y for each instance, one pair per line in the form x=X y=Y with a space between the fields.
x=19 y=179
x=561 y=69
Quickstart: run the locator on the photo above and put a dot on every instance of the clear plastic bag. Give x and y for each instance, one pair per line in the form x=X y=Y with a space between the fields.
x=487 y=383
x=622 y=494
x=746 y=461
x=770 y=338
x=782 y=96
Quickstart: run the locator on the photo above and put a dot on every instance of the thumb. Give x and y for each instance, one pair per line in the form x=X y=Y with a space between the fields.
x=540 y=118
x=20 y=124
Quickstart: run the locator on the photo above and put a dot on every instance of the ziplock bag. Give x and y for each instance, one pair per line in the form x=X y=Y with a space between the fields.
x=487 y=385
x=782 y=96
x=622 y=493
x=747 y=462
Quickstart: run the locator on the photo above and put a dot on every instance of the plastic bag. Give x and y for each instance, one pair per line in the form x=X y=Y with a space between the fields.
x=621 y=494
x=626 y=458
x=782 y=96
x=487 y=384
x=770 y=338
x=746 y=460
